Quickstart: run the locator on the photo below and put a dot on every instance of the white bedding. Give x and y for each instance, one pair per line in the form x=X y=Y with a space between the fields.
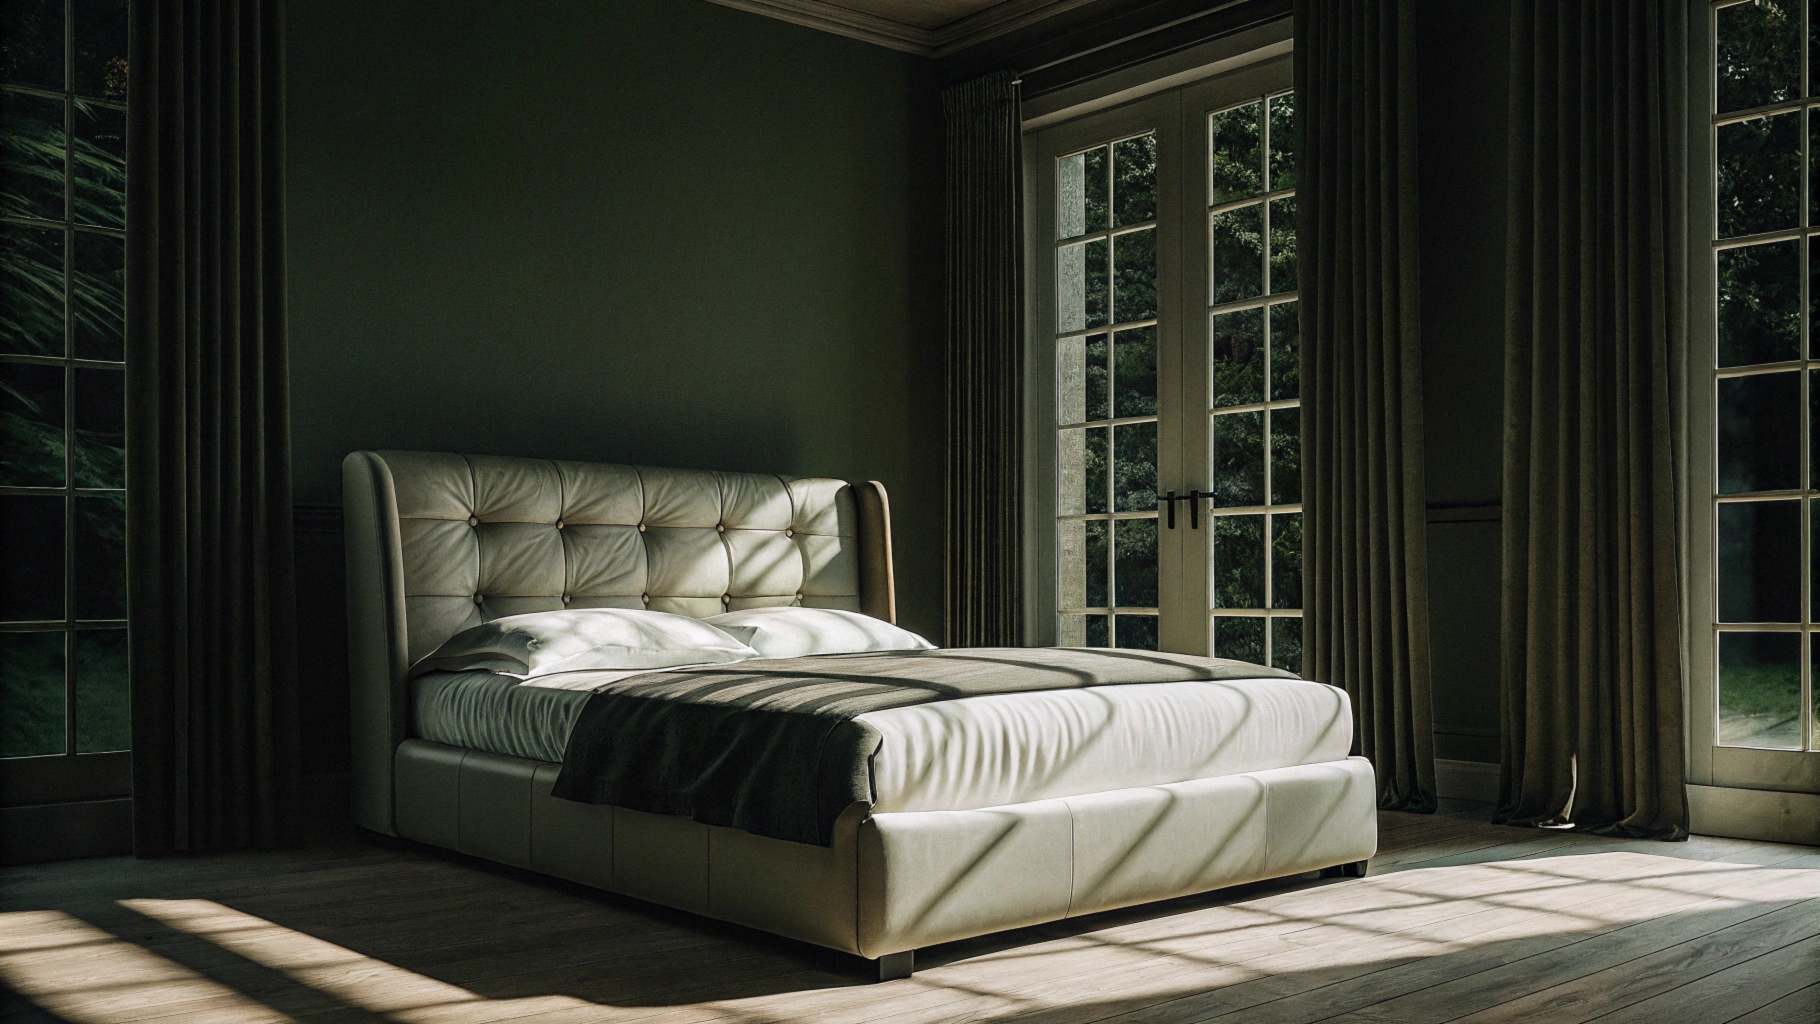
x=973 y=752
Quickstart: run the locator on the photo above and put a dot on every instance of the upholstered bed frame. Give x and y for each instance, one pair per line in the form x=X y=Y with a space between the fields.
x=440 y=542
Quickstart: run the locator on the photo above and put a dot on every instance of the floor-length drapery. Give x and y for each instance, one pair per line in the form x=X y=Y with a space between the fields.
x=214 y=690
x=1594 y=381
x=1365 y=522
x=985 y=362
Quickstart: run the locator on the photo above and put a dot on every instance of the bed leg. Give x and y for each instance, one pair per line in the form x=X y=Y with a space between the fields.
x=1356 y=869
x=893 y=966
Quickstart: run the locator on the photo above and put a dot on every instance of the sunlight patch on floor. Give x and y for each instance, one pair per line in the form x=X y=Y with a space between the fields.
x=1201 y=960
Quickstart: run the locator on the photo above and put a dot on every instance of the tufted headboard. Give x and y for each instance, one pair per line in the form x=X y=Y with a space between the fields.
x=438 y=542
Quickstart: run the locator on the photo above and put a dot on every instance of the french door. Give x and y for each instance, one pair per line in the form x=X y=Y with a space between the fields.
x=1754 y=424
x=1164 y=401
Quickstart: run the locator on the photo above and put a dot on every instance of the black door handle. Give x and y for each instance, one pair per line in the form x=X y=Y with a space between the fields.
x=1169 y=500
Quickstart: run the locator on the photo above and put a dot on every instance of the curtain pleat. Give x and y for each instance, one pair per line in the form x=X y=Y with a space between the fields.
x=1594 y=342
x=210 y=565
x=985 y=362
x=1365 y=561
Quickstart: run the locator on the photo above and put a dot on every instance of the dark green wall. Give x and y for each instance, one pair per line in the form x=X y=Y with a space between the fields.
x=1462 y=118
x=627 y=231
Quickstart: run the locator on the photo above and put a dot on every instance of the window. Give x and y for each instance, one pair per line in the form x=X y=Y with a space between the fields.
x=1165 y=373
x=1761 y=363
x=1256 y=394
x=1106 y=348
x=63 y=683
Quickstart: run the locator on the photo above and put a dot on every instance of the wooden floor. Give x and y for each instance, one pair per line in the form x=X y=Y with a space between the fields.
x=1459 y=921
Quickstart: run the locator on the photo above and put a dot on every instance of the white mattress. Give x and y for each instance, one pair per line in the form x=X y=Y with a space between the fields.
x=977 y=751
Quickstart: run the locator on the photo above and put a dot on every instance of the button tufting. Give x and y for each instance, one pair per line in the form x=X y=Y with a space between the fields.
x=641 y=527
x=559 y=524
x=646 y=598
x=722 y=528
x=726 y=598
x=473 y=520
x=799 y=599
x=789 y=532
x=566 y=599
x=478 y=599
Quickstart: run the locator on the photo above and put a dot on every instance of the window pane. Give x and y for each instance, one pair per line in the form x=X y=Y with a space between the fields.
x=1081 y=279
x=1238 y=459
x=1134 y=180
x=98 y=296
x=31 y=43
x=1098 y=563
x=1286 y=560
x=31 y=425
x=1081 y=379
x=1285 y=352
x=101 y=556
x=31 y=156
x=1134 y=468
x=1237 y=164
x=100 y=428
x=1759 y=175
x=1282 y=245
x=1760 y=689
x=31 y=694
x=1134 y=284
x=1135 y=569
x=1240 y=638
x=1238 y=357
x=1282 y=142
x=1238 y=254
x=31 y=290
x=1286 y=645
x=1136 y=632
x=1759 y=561
x=1759 y=432
x=1080 y=193
x=1760 y=304
x=1758 y=56
x=99 y=28
x=1081 y=563
x=1285 y=456
x=1083 y=631
x=1238 y=561
x=103 y=721
x=100 y=166
x=31 y=549
x=1071 y=563
x=1136 y=383
x=1081 y=455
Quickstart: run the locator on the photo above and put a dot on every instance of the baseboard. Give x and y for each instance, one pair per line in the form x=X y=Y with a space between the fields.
x=1466 y=780
x=65 y=831
x=1760 y=814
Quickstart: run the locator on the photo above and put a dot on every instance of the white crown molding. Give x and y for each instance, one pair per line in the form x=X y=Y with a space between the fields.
x=1000 y=18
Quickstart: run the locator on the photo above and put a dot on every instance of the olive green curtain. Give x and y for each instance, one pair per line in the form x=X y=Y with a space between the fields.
x=212 y=663
x=1594 y=383
x=1365 y=533
x=985 y=362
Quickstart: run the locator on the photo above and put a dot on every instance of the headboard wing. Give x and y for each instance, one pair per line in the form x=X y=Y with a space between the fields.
x=439 y=542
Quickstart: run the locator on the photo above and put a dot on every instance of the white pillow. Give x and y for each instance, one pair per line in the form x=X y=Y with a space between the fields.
x=541 y=643
x=798 y=632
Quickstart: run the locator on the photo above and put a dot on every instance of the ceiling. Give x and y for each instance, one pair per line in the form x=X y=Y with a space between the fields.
x=933 y=28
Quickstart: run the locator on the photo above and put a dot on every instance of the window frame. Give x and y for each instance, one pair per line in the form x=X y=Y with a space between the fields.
x=70 y=774
x=1711 y=764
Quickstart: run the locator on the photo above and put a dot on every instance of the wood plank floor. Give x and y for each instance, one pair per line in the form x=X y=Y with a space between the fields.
x=1459 y=921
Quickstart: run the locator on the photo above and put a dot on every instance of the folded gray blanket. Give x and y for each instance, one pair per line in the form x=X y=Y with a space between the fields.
x=772 y=747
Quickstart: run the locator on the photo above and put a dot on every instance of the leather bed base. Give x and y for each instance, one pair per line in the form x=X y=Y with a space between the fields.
x=896 y=881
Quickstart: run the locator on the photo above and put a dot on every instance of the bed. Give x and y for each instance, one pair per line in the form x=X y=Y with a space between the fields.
x=985 y=813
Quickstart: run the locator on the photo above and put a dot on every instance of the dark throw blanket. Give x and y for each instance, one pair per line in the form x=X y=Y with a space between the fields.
x=772 y=746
